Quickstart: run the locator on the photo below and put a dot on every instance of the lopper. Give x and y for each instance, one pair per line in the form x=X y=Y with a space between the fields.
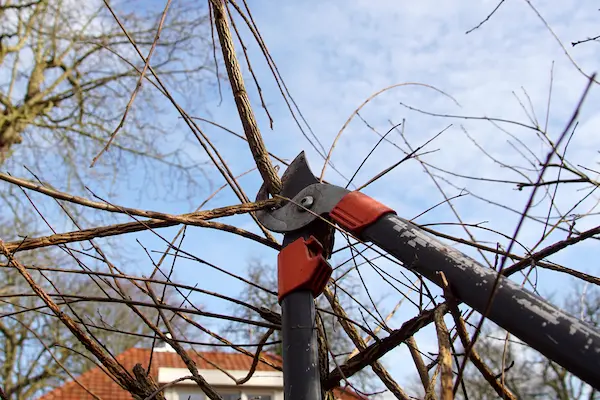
x=306 y=219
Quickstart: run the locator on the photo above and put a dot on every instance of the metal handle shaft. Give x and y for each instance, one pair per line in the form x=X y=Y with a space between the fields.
x=301 y=377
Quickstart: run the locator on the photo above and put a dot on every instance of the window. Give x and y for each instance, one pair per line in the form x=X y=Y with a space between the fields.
x=259 y=397
x=194 y=393
x=190 y=394
x=231 y=396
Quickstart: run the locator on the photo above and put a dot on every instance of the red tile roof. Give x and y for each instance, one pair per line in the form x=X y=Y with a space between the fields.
x=99 y=383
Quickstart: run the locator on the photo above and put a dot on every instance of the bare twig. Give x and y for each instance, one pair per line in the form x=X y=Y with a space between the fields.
x=486 y=18
x=139 y=82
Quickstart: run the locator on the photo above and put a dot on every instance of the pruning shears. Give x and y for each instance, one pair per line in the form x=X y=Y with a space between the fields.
x=306 y=218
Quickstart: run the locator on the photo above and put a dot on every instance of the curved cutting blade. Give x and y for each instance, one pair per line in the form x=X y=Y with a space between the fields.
x=296 y=177
x=299 y=182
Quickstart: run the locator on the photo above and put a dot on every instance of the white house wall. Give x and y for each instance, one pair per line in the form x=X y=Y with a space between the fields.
x=265 y=379
x=262 y=382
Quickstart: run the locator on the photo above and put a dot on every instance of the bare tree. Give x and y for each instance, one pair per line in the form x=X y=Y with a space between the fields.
x=364 y=319
x=71 y=85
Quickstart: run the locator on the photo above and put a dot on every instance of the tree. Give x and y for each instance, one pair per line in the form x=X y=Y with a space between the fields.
x=534 y=154
x=70 y=76
x=71 y=84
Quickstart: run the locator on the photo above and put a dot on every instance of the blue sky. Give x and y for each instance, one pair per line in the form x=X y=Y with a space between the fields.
x=333 y=55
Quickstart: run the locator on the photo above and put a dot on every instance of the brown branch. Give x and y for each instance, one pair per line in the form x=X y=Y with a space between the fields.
x=138 y=388
x=444 y=356
x=590 y=39
x=360 y=344
x=474 y=356
x=522 y=185
x=139 y=82
x=168 y=385
x=379 y=349
x=257 y=146
x=476 y=359
x=255 y=360
x=205 y=215
x=552 y=249
x=419 y=364
x=486 y=18
x=167 y=220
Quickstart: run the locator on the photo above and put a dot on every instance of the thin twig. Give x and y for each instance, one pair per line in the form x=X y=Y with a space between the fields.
x=486 y=18
x=139 y=82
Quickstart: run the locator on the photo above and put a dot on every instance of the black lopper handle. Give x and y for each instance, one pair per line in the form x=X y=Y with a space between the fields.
x=557 y=335
x=300 y=348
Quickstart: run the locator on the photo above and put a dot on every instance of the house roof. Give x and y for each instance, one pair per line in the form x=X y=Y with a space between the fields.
x=99 y=383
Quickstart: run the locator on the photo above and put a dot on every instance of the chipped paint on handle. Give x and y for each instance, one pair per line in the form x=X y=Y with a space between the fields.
x=554 y=333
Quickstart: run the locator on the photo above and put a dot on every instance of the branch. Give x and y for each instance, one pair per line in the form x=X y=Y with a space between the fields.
x=445 y=355
x=476 y=359
x=418 y=360
x=138 y=388
x=590 y=39
x=257 y=146
x=167 y=220
x=20 y=6
x=184 y=218
x=360 y=344
x=377 y=350
x=554 y=248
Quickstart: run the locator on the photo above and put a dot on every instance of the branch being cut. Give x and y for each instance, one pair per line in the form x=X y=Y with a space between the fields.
x=160 y=221
x=257 y=146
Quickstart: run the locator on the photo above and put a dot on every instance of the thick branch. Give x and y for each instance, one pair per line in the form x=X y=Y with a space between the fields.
x=360 y=344
x=193 y=219
x=379 y=349
x=257 y=146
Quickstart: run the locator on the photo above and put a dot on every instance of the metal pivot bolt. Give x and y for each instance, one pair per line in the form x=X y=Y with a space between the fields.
x=306 y=202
